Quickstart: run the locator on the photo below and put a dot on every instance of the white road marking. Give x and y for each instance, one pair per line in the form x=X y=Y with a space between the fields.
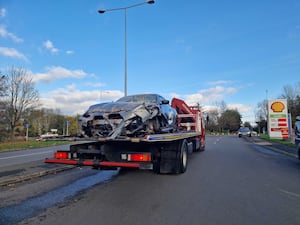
x=25 y=155
x=290 y=193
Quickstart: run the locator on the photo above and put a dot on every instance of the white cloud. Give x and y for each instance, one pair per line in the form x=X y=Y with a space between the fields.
x=69 y=52
x=13 y=53
x=173 y=95
x=2 y=12
x=240 y=107
x=57 y=72
x=220 y=82
x=72 y=101
x=5 y=34
x=49 y=46
x=209 y=95
x=94 y=84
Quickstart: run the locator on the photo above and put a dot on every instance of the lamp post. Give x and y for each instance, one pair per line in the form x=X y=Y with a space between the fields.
x=125 y=34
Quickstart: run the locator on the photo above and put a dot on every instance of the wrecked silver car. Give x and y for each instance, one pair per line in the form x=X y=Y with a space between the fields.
x=130 y=116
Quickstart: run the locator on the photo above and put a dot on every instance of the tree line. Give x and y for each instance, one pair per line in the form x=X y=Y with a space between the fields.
x=20 y=108
x=223 y=119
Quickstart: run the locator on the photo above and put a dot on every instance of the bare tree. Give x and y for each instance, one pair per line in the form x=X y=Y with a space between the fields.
x=262 y=110
x=212 y=117
x=22 y=96
x=261 y=116
x=222 y=106
x=3 y=120
x=292 y=94
x=2 y=85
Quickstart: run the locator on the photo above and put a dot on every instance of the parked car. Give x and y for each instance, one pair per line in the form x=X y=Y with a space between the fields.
x=244 y=131
x=133 y=116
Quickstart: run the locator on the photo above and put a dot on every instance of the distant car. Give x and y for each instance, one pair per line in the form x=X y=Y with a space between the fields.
x=244 y=131
x=49 y=135
x=130 y=116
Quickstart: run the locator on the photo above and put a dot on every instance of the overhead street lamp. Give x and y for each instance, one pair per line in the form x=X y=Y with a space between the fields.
x=125 y=34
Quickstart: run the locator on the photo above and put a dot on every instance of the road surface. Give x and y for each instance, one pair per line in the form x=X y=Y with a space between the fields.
x=10 y=158
x=233 y=182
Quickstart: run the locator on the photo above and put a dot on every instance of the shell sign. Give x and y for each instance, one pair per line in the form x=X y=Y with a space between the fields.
x=277 y=106
x=278 y=119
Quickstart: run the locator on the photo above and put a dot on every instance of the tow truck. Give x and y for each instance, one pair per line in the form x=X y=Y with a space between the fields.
x=162 y=153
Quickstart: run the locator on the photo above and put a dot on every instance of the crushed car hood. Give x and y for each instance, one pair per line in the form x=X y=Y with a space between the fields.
x=112 y=107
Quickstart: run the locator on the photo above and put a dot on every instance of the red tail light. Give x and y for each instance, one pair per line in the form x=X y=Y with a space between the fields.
x=61 y=155
x=144 y=157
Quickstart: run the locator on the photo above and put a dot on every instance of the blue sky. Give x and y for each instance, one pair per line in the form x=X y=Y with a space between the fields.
x=208 y=51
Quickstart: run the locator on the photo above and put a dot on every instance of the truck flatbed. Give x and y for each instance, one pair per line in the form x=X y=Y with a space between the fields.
x=154 y=137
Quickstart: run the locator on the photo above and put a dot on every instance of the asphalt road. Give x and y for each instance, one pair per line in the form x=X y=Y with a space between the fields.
x=10 y=158
x=233 y=182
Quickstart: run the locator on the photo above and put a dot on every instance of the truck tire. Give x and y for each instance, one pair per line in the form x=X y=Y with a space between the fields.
x=199 y=147
x=182 y=157
x=173 y=158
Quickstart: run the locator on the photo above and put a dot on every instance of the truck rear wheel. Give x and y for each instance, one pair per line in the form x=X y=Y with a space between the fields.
x=173 y=158
x=182 y=157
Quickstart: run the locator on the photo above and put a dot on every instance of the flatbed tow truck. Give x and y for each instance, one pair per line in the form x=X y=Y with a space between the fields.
x=162 y=153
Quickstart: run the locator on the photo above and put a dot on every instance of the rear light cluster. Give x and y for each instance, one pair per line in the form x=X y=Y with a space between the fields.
x=142 y=157
x=132 y=157
x=61 y=155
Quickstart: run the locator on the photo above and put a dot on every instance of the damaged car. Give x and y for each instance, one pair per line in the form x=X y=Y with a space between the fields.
x=130 y=116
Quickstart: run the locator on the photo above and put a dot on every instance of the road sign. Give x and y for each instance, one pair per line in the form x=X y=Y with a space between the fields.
x=278 y=119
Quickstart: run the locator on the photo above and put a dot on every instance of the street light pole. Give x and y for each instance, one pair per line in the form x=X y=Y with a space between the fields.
x=125 y=52
x=125 y=34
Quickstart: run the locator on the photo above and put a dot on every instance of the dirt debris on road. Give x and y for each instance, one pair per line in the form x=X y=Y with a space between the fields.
x=11 y=175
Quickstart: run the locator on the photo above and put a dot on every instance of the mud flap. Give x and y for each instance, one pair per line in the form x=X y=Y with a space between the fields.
x=168 y=162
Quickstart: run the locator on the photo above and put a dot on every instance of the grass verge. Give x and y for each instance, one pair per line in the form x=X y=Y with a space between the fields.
x=280 y=141
x=20 y=145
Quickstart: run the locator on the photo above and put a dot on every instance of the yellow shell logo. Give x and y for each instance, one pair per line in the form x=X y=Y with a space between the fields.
x=277 y=106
